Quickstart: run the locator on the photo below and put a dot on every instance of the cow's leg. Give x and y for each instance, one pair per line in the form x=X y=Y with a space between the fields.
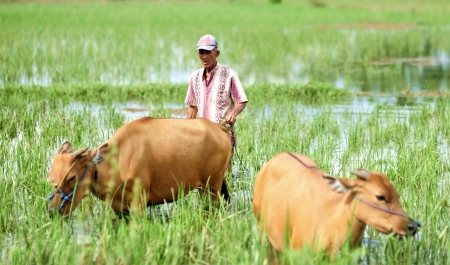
x=220 y=188
x=135 y=197
x=213 y=190
x=125 y=215
x=224 y=191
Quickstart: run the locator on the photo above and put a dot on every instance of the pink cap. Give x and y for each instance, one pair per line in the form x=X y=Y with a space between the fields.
x=207 y=42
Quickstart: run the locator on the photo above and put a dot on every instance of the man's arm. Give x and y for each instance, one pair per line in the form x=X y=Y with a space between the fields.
x=238 y=109
x=192 y=112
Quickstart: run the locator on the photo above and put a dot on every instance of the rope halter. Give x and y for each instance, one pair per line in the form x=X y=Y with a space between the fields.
x=388 y=211
x=66 y=197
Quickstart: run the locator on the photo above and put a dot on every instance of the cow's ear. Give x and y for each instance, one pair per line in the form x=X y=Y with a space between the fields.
x=362 y=173
x=80 y=152
x=339 y=185
x=66 y=147
x=100 y=154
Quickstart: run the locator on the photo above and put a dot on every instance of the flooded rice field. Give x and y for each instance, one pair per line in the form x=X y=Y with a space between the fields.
x=75 y=72
x=387 y=75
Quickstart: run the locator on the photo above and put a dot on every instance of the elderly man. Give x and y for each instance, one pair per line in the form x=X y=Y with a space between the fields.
x=215 y=91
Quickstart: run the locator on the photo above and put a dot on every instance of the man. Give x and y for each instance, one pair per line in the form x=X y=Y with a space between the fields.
x=215 y=91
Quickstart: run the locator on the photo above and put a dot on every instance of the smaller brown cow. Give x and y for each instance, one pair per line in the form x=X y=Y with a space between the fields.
x=295 y=198
x=146 y=162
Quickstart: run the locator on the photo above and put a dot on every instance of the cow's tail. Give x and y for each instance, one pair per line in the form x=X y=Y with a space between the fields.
x=224 y=191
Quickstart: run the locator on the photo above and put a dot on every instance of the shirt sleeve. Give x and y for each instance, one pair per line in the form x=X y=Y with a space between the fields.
x=190 y=96
x=237 y=90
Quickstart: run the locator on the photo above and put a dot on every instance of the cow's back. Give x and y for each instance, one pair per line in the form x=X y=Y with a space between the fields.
x=278 y=168
x=164 y=154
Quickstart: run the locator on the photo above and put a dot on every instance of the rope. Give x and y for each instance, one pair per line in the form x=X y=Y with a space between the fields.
x=66 y=198
x=388 y=211
x=232 y=135
x=303 y=163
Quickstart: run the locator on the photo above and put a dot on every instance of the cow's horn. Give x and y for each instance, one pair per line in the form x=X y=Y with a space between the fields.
x=79 y=152
x=362 y=173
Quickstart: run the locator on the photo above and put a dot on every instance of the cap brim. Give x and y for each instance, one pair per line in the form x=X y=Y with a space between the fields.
x=208 y=48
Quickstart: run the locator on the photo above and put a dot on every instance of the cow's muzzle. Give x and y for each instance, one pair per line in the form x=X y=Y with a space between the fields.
x=53 y=211
x=65 y=198
x=413 y=227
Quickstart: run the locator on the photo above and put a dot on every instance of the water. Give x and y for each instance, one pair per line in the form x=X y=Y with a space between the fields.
x=395 y=75
x=427 y=73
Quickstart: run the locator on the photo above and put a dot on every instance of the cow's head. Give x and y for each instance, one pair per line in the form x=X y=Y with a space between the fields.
x=377 y=202
x=70 y=175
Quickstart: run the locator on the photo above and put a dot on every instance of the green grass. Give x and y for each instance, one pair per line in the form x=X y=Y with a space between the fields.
x=311 y=93
x=410 y=148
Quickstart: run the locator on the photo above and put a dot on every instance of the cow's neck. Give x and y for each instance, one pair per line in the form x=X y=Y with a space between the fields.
x=358 y=226
x=106 y=185
x=341 y=221
x=94 y=187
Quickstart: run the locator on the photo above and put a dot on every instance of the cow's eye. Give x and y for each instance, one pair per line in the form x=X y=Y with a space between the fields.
x=381 y=198
x=71 y=179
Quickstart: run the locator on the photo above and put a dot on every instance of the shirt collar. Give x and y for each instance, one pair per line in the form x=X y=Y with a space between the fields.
x=213 y=71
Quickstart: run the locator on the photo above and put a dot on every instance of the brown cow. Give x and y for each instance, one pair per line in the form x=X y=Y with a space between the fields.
x=294 y=198
x=146 y=162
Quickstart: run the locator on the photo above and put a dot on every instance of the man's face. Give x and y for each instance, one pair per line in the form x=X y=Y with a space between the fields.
x=208 y=58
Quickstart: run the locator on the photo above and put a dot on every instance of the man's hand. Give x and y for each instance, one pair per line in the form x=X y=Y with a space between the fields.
x=239 y=108
x=192 y=112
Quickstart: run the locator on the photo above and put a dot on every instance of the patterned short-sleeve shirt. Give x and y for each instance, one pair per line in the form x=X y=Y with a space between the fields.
x=218 y=98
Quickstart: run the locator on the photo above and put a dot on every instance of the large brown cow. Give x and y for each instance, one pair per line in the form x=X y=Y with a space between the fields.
x=146 y=162
x=294 y=198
